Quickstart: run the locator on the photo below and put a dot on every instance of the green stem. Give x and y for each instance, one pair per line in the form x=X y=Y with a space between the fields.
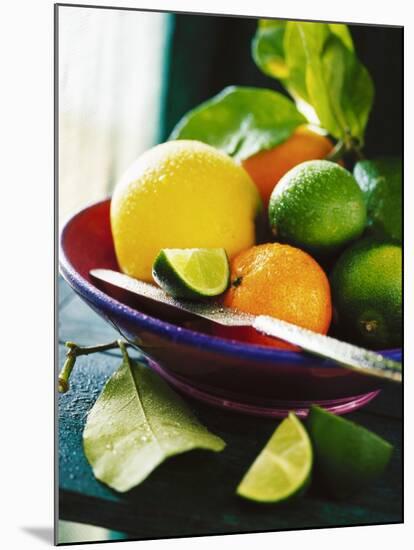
x=346 y=146
x=354 y=145
x=358 y=153
x=63 y=381
x=337 y=152
x=75 y=351
x=86 y=350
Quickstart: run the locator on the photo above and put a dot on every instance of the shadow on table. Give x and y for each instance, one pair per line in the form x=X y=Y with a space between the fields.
x=42 y=533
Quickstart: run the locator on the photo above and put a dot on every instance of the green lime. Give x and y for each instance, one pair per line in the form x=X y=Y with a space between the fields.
x=381 y=183
x=283 y=468
x=318 y=207
x=192 y=272
x=366 y=285
x=348 y=457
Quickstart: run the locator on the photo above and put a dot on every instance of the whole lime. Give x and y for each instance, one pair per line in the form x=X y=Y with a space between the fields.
x=181 y=194
x=317 y=206
x=366 y=285
x=381 y=183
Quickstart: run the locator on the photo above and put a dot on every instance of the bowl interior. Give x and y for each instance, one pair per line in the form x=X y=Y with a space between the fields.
x=87 y=242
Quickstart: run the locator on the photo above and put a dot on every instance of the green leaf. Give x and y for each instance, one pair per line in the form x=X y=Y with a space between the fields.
x=339 y=87
x=357 y=95
x=241 y=121
x=324 y=75
x=381 y=184
x=321 y=71
x=136 y=423
x=342 y=32
x=295 y=56
x=267 y=48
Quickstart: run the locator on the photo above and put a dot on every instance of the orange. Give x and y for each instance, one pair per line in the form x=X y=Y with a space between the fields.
x=281 y=281
x=267 y=167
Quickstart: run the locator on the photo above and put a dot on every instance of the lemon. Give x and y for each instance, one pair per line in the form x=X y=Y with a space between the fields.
x=181 y=194
x=192 y=273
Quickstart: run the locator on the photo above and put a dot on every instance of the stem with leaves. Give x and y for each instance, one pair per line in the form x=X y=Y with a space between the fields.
x=337 y=152
x=345 y=147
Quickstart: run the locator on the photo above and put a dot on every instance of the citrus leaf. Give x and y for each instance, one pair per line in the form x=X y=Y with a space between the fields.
x=241 y=121
x=381 y=184
x=317 y=64
x=296 y=83
x=136 y=423
x=339 y=87
x=342 y=32
x=325 y=78
x=267 y=48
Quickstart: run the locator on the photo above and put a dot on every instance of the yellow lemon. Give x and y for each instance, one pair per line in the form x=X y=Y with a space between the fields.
x=181 y=194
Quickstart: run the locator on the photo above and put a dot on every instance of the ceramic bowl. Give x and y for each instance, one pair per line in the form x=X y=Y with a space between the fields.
x=243 y=377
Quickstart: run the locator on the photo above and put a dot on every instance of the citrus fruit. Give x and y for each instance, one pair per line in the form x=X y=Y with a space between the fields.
x=192 y=272
x=283 y=468
x=317 y=206
x=381 y=183
x=181 y=194
x=367 y=293
x=347 y=457
x=281 y=281
x=268 y=166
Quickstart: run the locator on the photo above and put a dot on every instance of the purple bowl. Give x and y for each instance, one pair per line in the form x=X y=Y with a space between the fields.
x=243 y=377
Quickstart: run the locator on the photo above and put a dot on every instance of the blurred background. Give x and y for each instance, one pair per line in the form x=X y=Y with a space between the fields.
x=126 y=77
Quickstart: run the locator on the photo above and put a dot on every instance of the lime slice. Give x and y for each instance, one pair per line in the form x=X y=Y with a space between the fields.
x=283 y=467
x=348 y=457
x=192 y=272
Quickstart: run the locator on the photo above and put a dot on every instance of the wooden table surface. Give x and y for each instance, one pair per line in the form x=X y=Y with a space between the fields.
x=193 y=494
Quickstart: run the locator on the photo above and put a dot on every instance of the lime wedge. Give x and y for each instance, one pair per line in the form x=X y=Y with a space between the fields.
x=283 y=467
x=348 y=457
x=192 y=272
